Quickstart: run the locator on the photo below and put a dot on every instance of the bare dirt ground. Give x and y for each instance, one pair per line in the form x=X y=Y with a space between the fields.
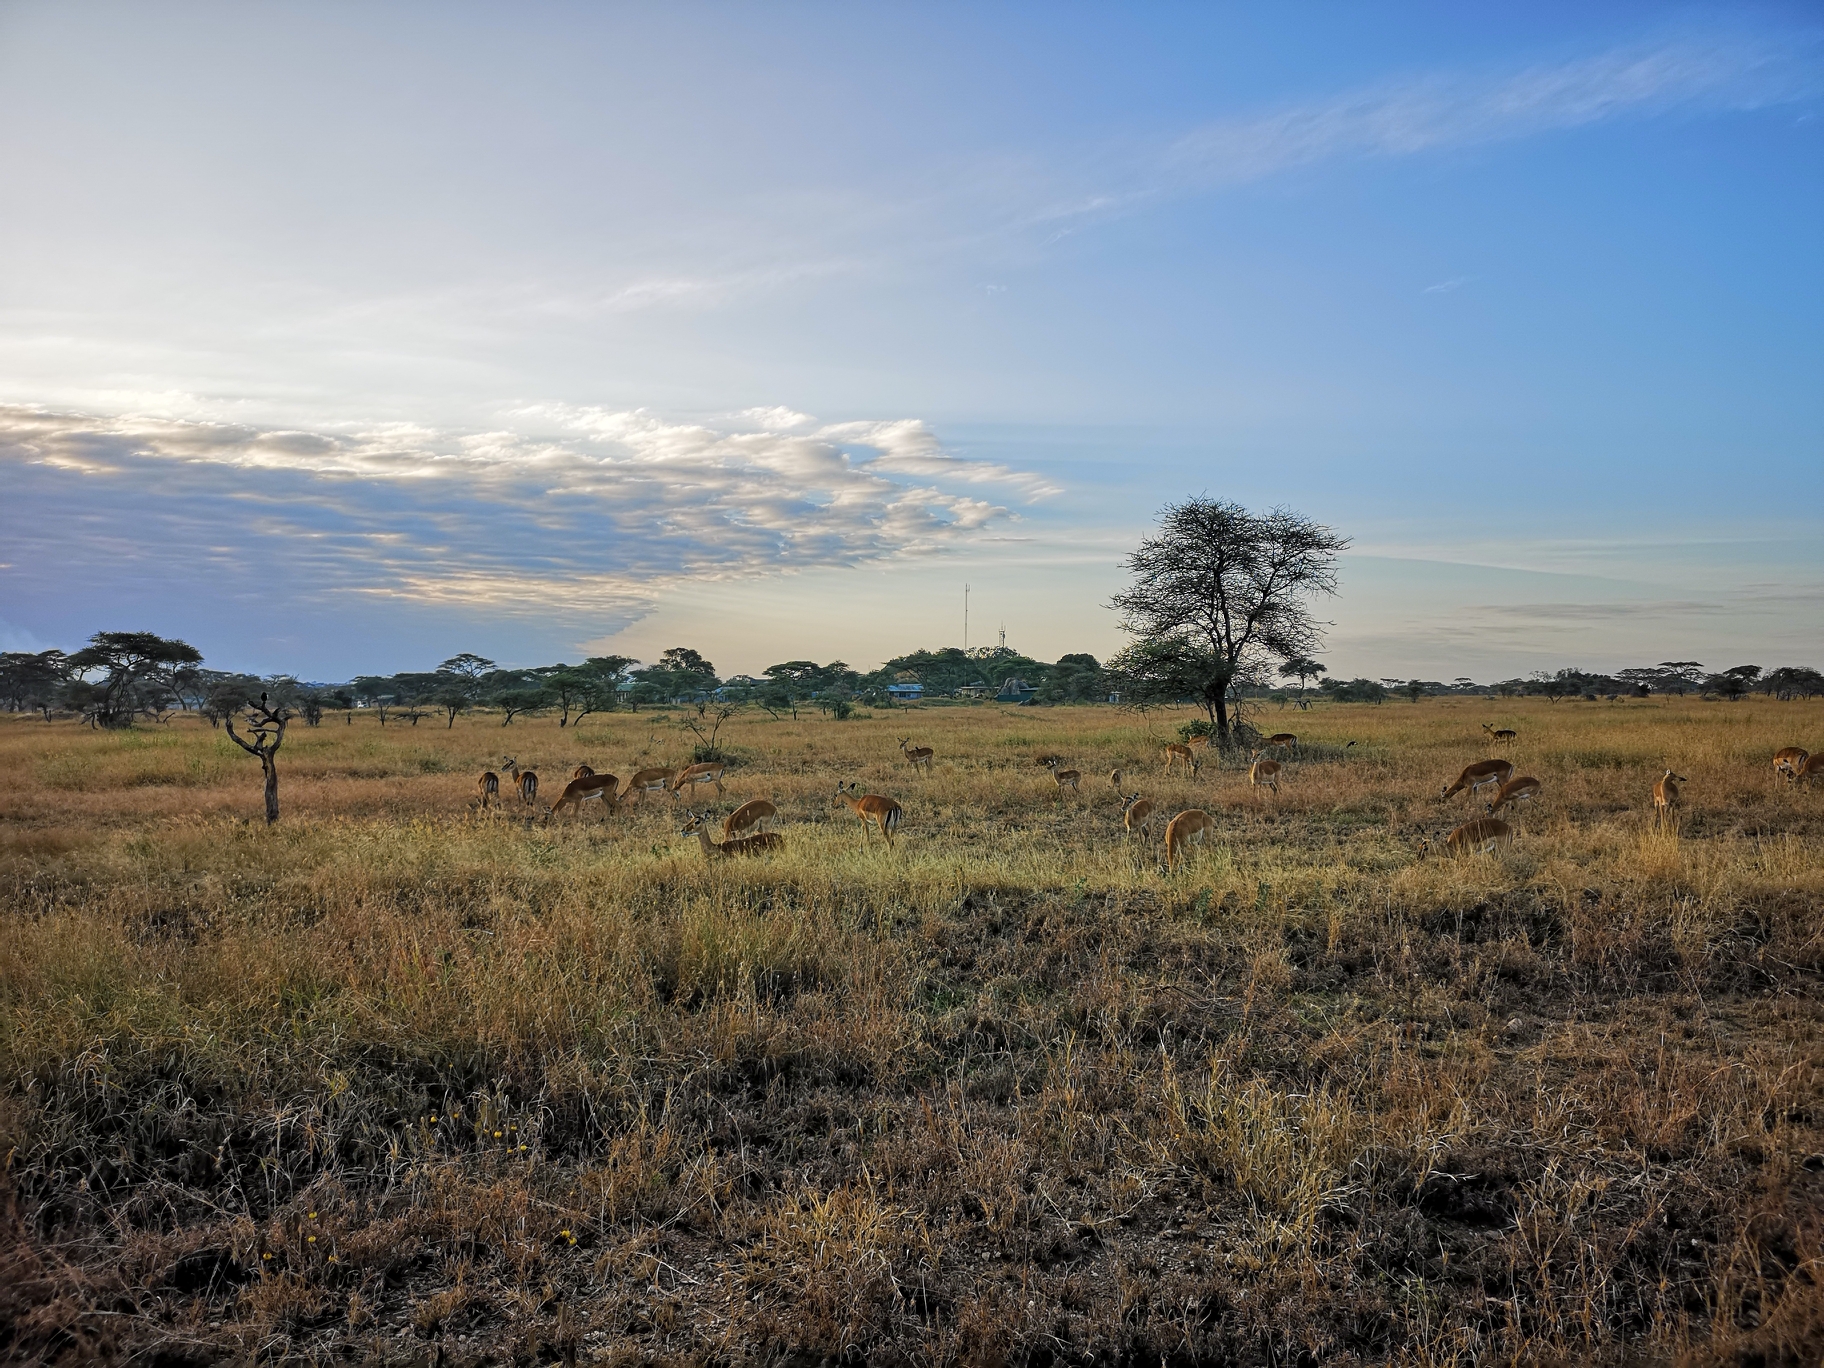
x=397 y=1082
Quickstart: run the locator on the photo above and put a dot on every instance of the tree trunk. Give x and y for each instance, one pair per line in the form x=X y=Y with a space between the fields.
x=271 y=766
x=1222 y=715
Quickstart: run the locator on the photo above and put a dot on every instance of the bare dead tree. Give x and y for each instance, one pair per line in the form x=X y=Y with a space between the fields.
x=266 y=724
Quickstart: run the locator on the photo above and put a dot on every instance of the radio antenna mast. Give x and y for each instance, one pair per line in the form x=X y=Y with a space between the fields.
x=965 y=619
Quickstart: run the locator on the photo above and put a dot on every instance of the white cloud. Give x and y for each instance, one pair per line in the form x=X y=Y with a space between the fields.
x=590 y=519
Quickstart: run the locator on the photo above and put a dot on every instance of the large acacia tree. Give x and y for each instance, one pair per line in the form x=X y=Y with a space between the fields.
x=1218 y=595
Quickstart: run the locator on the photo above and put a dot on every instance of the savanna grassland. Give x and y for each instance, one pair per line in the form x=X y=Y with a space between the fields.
x=400 y=1082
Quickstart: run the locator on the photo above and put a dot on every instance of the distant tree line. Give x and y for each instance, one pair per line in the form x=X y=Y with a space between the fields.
x=121 y=677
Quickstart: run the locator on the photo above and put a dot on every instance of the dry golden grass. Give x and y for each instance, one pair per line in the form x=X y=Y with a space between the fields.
x=399 y=1077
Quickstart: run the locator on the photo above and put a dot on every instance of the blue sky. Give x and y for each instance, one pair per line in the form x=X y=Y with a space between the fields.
x=342 y=338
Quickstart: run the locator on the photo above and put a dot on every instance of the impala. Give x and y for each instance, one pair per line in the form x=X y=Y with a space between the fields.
x=1063 y=778
x=1665 y=797
x=1479 y=776
x=752 y=813
x=918 y=755
x=1515 y=791
x=523 y=780
x=723 y=850
x=487 y=788
x=1812 y=766
x=581 y=772
x=653 y=780
x=875 y=811
x=1174 y=752
x=1477 y=837
x=1137 y=815
x=1787 y=761
x=1264 y=772
x=1504 y=736
x=1279 y=740
x=708 y=773
x=1190 y=825
x=588 y=788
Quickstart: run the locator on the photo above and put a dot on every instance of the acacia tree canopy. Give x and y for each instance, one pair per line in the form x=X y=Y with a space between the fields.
x=1218 y=595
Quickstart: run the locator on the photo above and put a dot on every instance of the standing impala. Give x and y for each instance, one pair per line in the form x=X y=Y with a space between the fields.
x=874 y=811
x=591 y=787
x=1502 y=737
x=1479 y=776
x=581 y=772
x=525 y=781
x=487 y=788
x=751 y=814
x=1665 y=798
x=1191 y=825
x=708 y=773
x=1278 y=740
x=1063 y=778
x=1176 y=751
x=1137 y=815
x=918 y=755
x=1264 y=772
x=1515 y=791
x=652 y=780
x=1787 y=761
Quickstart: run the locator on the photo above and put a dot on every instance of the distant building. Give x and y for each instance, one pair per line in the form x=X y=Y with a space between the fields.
x=905 y=692
x=1014 y=690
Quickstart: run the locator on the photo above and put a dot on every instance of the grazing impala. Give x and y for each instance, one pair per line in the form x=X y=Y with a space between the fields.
x=1137 y=815
x=1063 y=778
x=707 y=773
x=1174 y=752
x=1479 y=776
x=1810 y=768
x=1505 y=736
x=1190 y=825
x=581 y=772
x=653 y=780
x=523 y=780
x=1665 y=798
x=1477 y=837
x=1515 y=791
x=725 y=850
x=874 y=811
x=589 y=788
x=1264 y=772
x=918 y=755
x=751 y=814
x=1280 y=740
x=487 y=788
x=1787 y=761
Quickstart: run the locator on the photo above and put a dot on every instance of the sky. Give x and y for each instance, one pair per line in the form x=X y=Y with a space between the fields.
x=338 y=339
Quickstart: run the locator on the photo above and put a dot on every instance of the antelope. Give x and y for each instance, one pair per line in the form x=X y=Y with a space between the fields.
x=1479 y=776
x=918 y=755
x=1812 y=765
x=581 y=772
x=591 y=787
x=1279 y=739
x=725 y=849
x=653 y=780
x=1189 y=825
x=1174 y=752
x=1063 y=778
x=1477 y=837
x=1665 y=797
x=1787 y=761
x=1137 y=815
x=1264 y=772
x=752 y=813
x=1514 y=791
x=487 y=788
x=1505 y=736
x=523 y=780
x=873 y=810
x=707 y=773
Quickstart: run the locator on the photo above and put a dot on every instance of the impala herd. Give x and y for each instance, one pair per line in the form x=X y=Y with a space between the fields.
x=744 y=830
